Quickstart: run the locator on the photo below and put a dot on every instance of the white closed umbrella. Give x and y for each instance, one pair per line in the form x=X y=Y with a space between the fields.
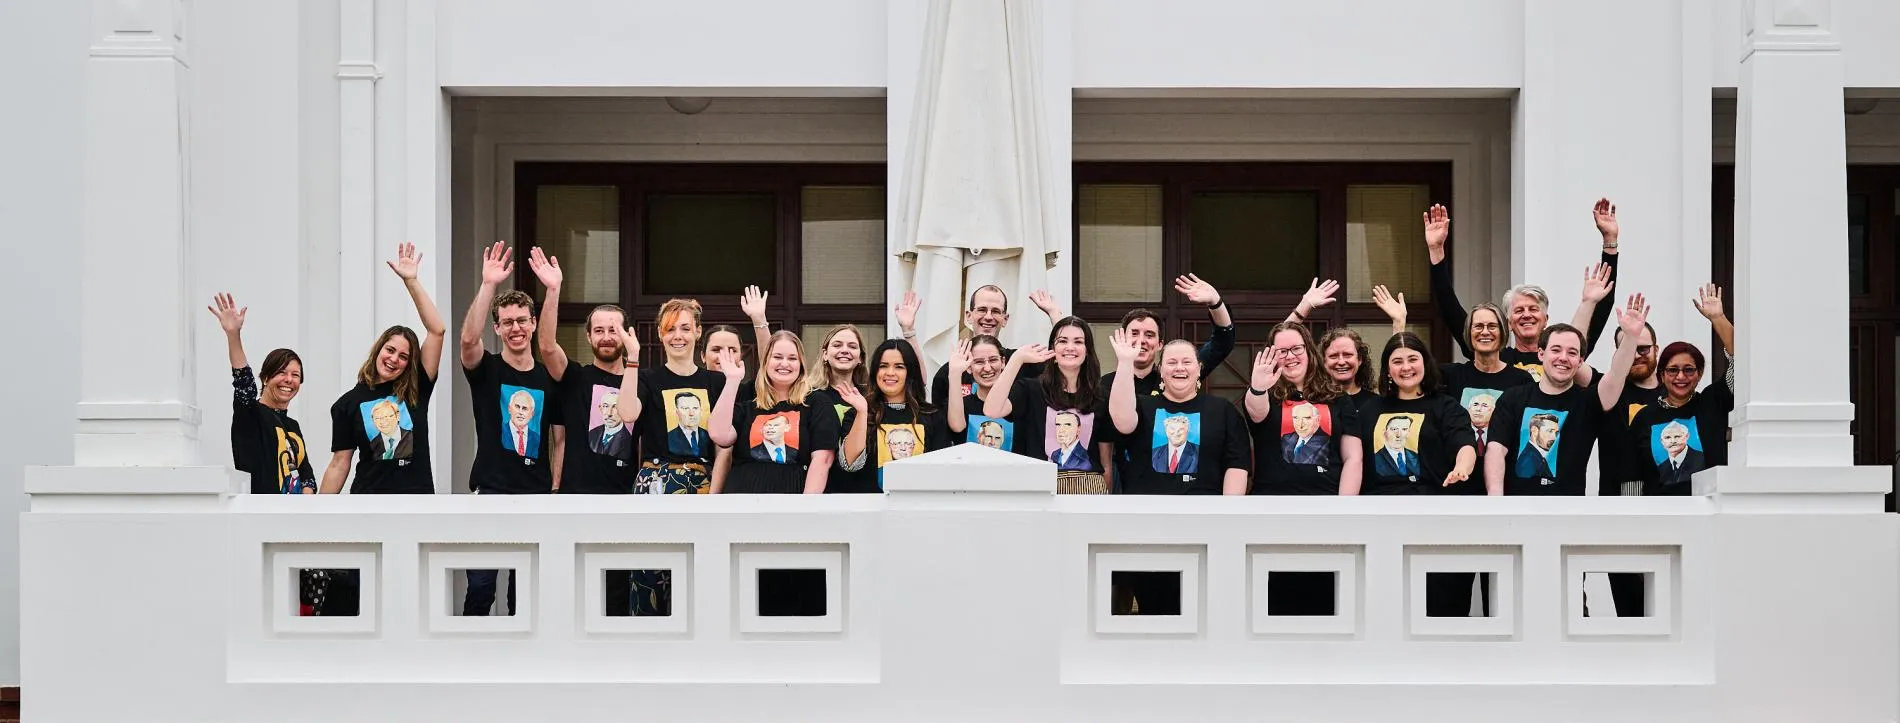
x=976 y=205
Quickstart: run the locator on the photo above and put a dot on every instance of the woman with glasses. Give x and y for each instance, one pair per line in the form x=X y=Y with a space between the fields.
x=1686 y=430
x=1476 y=384
x=1297 y=416
x=985 y=368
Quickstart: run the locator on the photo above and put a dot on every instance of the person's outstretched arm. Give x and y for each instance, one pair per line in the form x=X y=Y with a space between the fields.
x=998 y=405
x=1393 y=306
x=1220 y=342
x=1605 y=214
x=954 y=418
x=1318 y=294
x=1450 y=310
x=907 y=326
x=497 y=265
x=721 y=429
x=546 y=340
x=629 y=406
x=407 y=265
x=1631 y=320
x=1598 y=281
x=1121 y=397
x=752 y=303
x=1047 y=303
x=1266 y=373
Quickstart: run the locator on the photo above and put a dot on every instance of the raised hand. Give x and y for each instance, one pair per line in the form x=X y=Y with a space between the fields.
x=1317 y=294
x=1034 y=354
x=1708 y=300
x=960 y=359
x=407 y=262
x=1605 y=214
x=1394 y=307
x=733 y=365
x=1125 y=347
x=907 y=311
x=850 y=394
x=1596 y=283
x=1631 y=318
x=1196 y=290
x=230 y=315
x=1045 y=301
x=629 y=342
x=1266 y=369
x=498 y=263
x=1437 y=229
x=752 y=302
x=546 y=268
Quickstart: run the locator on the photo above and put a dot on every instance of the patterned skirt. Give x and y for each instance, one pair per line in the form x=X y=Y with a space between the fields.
x=1081 y=483
x=672 y=478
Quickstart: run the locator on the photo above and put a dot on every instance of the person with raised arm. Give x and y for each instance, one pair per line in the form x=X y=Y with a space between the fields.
x=1414 y=439
x=840 y=365
x=985 y=366
x=1144 y=327
x=902 y=423
x=599 y=453
x=988 y=315
x=1543 y=433
x=1686 y=430
x=780 y=443
x=385 y=417
x=1475 y=384
x=519 y=433
x=1297 y=418
x=677 y=454
x=1526 y=306
x=1058 y=417
x=719 y=339
x=266 y=442
x=1190 y=443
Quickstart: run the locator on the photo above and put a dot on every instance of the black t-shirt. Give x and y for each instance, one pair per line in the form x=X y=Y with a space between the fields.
x=1619 y=459
x=988 y=431
x=1408 y=446
x=842 y=481
x=389 y=435
x=601 y=456
x=1184 y=448
x=774 y=446
x=1070 y=438
x=901 y=433
x=940 y=384
x=1360 y=399
x=513 y=411
x=1680 y=441
x=1291 y=458
x=267 y=443
x=1555 y=459
x=674 y=412
x=1478 y=392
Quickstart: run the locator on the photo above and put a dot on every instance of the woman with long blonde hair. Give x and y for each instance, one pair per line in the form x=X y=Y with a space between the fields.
x=781 y=443
x=840 y=368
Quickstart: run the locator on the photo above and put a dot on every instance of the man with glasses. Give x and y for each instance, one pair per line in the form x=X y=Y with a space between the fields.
x=1619 y=460
x=511 y=390
x=988 y=315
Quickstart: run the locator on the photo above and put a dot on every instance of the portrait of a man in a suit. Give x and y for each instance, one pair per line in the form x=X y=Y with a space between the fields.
x=611 y=437
x=1306 y=444
x=390 y=441
x=990 y=433
x=1680 y=461
x=772 y=445
x=1394 y=459
x=521 y=434
x=1535 y=459
x=1069 y=453
x=1179 y=455
x=688 y=439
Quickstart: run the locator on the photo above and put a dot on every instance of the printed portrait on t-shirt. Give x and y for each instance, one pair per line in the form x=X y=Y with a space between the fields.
x=1065 y=438
x=990 y=432
x=521 y=420
x=606 y=434
x=1538 y=437
x=290 y=455
x=1306 y=432
x=1177 y=442
x=899 y=441
x=686 y=415
x=1395 y=444
x=1676 y=447
x=388 y=428
x=774 y=438
x=1536 y=370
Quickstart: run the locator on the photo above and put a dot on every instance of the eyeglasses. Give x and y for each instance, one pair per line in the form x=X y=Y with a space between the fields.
x=1680 y=371
x=1291 y=351
x=1644 y=349
x=512 y=323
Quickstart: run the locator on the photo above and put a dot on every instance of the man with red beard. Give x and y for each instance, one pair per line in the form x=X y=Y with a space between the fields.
x=1619 y=452
x=521 y=463
x=589 y=393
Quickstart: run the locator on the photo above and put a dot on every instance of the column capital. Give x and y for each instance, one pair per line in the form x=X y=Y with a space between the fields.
x=140 y=29
x=1788 y=26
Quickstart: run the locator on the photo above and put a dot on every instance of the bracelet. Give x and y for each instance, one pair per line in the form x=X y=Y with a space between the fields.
x=1609 y=247
x=1217 y=304
x=1298 y=316
x=912 y=334
x=1257 y=392
x=761 y=326
x=633 y=364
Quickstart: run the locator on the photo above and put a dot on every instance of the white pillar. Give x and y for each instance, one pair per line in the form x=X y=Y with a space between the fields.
x=136 y=391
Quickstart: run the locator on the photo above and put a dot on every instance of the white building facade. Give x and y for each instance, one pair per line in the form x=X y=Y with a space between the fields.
x=281 y=150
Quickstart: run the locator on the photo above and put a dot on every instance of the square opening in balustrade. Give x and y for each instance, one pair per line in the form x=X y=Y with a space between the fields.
x=792 y=592
x=1302 y=593
x=326 y=592
x=485 y=593
x=637 y=593
x=1146 y=592
x=1460 y=594
x=1627 y=594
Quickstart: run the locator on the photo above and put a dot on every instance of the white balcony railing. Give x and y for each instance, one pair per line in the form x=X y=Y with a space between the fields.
x=969 y=592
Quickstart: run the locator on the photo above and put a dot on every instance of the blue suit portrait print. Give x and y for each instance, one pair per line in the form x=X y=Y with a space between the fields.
x=1176 y=444
x=990 y=432
x=388 y=428
x=1537 y=443
x=521 y=413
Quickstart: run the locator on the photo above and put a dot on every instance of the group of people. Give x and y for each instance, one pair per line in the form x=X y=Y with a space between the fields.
x=1520 y=416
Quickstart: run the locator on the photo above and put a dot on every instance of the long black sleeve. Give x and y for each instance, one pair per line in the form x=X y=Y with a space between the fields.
x=1600 y=317
x=1215 y=350
x=1449 y=309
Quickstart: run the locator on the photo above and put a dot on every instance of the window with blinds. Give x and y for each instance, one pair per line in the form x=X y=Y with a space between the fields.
x=710 y=243
x=580 y=226
x=1385 y=241
x=842 y=229
x=1261 y=240
x=1118 y=236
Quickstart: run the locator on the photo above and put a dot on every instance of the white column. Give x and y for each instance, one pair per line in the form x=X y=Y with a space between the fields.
x=356 y=74
x=136 y=391
x=1792 y=404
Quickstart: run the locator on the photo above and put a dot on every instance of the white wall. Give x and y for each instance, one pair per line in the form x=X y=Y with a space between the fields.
x=1865 y=29
x=40 y=186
